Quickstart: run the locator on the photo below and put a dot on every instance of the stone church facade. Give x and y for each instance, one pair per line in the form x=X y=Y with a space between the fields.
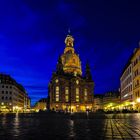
x=69 y=90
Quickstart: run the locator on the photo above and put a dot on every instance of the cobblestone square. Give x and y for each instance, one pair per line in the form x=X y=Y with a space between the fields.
x=64 y=126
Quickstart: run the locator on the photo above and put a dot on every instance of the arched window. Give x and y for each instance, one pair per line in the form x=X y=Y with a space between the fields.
x=66 y=94
x=77 y=94
x=56 y=81
x=77 y=82
x=85 y=94
x=57 y=93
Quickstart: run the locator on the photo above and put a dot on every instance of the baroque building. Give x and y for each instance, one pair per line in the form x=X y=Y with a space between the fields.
x=13 y=96
x=69 y=90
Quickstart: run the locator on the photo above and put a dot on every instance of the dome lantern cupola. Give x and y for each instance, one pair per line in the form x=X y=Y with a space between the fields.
x=71 y=61
x=69 y=41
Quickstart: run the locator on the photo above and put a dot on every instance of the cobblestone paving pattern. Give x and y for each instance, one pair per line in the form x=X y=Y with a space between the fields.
x=47 y=126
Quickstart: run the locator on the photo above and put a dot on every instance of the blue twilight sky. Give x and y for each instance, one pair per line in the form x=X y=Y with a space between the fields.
x=32 y=34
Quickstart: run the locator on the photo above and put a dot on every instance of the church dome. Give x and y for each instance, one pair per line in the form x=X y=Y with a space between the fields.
x=70 y=60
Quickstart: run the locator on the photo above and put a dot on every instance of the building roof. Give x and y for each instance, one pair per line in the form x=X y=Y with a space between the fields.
x=98 y=96
x=111 y=94
x=7 y=79
x=129 y=60
x=43 y=100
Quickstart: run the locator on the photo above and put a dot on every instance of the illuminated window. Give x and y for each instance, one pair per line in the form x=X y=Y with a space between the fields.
x=56 y=80
x=85 y=94
x=77 y=94
x=75 y=73
x=66 y=94
x=77 y=82
x=57 y=93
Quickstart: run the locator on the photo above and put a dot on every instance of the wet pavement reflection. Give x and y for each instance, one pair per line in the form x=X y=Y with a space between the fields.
x=64 y=126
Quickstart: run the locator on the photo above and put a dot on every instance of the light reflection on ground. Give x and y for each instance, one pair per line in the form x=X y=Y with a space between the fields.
x=75 y=126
